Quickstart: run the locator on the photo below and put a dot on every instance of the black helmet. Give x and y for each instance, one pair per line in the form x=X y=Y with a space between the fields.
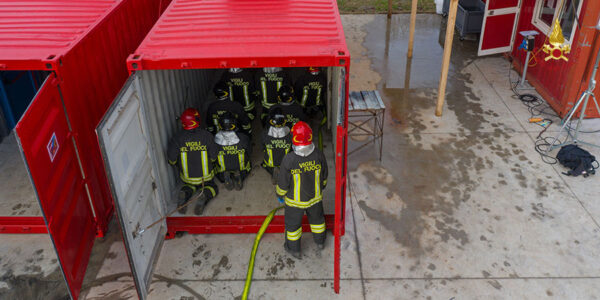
x=276 y=117
x=286 y=94
x=221 y=91
x=227 y=122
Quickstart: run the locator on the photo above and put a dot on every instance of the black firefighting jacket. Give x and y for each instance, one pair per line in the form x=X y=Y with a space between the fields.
x=242 y=88
x=302 y=179
x=293 y=113
x=311 y=90
x=268 y=84
x=219 y=107
x=275 y=148
x=194 y=152
x=235 y=157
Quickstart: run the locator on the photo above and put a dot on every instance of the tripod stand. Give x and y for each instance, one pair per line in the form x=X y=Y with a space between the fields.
x=573 y=138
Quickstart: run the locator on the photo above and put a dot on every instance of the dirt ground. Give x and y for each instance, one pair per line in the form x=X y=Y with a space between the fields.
x=381 y=6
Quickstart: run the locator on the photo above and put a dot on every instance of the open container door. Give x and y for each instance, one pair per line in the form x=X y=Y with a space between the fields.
x=46 y=141
x=125 y=145
x=499 y=26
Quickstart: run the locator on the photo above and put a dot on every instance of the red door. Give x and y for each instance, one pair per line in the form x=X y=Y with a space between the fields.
x=50 y=154
x=499 y=26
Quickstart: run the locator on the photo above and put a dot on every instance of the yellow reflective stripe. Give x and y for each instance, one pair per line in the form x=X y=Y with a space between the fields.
x=302 y=204
x=325 y=182
x=317 y=182
x=297 y=187
x=241 y=158
x=231 y=92
x=196 y=180
x=319 y=96
x=222 y=162
x=280 y=191
x=294 y=235
x=184 y=165
x=304 y=95
x=319 y=228
x=279 y=83
x=212 y=191
x=247 y=126
x=287 y=150
x=246 y=97
x=249 y=107
x=270 y=154
x=263 y=86
x=204 y=163
x=172 y=162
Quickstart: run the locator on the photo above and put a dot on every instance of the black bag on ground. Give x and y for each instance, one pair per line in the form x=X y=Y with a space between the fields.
x=577 y=160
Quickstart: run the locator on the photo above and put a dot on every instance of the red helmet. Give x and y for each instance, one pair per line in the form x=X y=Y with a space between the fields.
x=190 y=119
x=302 y=134
x=313 y=70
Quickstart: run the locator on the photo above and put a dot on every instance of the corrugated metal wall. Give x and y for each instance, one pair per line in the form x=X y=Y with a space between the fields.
x=165 y=94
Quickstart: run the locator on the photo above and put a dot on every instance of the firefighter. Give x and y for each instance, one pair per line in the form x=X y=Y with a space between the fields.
x=311 y=87
x=269 y=80
x=300 y=185
x=194 y=151
x=222 y=105
x=233 y=155
x=242 y=89
x=276 y=142
x=292 y=111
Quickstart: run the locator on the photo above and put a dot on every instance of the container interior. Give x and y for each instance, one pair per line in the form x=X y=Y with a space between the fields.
x=164 y=94
x=17 y=90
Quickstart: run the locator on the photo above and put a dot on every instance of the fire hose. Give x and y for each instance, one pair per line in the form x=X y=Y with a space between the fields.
x=259 y=235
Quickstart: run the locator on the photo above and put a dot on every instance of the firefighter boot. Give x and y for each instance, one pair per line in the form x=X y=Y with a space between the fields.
x=228 y=181
x=237 y=178
x=295 y=254
x=184 y=194
x=201 y=203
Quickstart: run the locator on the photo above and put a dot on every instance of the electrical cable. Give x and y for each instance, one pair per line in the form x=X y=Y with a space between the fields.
x=259 y=235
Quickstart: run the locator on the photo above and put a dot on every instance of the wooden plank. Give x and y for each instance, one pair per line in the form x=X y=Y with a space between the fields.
x=413 y=21
x=370 y=100
x=359 y=103
x=381 y=104
x=446 y=58
x=353 y=96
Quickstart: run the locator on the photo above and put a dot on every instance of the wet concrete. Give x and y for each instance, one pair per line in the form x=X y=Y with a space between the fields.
x=460 y=207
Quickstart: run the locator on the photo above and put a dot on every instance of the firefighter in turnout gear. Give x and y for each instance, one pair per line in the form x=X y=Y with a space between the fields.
x=233 y=153
x=301 y=181
x=269 y=81
x=242 y=89
x=292 y=111
x=194 y=152
x=223 y=105
x=311 y=89
x=276 y=141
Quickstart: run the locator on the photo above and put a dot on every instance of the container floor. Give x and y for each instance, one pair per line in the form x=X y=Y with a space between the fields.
x=258 y=197
x=17 y=197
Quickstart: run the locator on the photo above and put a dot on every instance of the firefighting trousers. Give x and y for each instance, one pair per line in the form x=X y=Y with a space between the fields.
x=210 y=189
x=293 y=224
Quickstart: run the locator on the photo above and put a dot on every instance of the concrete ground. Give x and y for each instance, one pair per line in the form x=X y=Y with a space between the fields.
x=460 y=207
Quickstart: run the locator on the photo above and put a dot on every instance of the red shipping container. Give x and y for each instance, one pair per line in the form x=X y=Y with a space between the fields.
x=177 y=65
x=82 y=46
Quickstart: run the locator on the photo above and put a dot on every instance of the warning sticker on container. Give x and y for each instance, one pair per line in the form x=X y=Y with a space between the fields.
x=52 y=147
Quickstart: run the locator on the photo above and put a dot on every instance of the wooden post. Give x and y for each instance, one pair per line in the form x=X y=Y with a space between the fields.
x=389 y=9
x=413 y=20
x=446 y=58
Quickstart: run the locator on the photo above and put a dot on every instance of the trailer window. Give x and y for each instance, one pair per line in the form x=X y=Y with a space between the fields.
x=567 y=11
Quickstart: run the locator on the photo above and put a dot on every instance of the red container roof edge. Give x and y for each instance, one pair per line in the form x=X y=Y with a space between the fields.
x=195 y=34
x=34 y=35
